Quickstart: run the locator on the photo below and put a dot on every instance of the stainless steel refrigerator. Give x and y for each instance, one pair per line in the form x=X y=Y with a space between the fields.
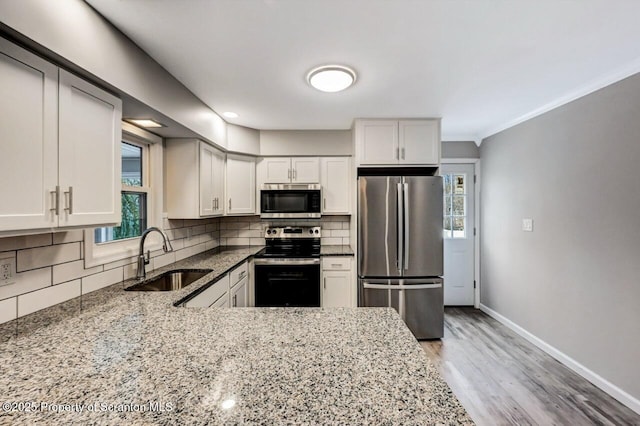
x=400 y=248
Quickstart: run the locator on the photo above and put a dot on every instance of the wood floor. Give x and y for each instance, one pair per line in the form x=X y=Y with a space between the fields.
x=502 y=379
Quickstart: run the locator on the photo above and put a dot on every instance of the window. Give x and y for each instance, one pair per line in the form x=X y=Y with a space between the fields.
x=134 y=196
x=455 y=205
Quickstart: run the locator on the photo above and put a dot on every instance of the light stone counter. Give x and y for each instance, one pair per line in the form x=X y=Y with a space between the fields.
x=219 y=365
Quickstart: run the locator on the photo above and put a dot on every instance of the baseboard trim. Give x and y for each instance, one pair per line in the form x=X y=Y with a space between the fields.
x=597 y=380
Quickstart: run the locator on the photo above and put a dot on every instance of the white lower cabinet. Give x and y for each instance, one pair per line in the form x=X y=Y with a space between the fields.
x=211 y=295
x=232 y=290
x=337 y=282
x=238 y=294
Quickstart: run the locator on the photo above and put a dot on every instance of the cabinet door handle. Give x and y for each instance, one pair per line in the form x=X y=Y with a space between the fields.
x=241 y=276
x=397 y=153
x=69 y=201
x=336 y=265
x=229 y=203
x=325 y=282
x=403 y=153
x=295 y=174
x=289 y=174
x=325 y=204
x=235 y=300
x=217 y=203
x=55 y=201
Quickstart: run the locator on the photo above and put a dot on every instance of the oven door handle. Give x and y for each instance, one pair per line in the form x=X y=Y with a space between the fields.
x=286 y=261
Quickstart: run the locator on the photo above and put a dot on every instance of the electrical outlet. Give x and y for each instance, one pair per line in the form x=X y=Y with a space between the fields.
x=7 y=271
x=527 y=225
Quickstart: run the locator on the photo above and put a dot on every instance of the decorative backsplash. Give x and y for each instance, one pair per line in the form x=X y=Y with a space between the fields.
x=51 y=269
x=249 y=230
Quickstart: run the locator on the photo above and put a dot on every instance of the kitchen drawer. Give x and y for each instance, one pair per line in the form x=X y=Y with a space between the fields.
x=336 y=263
x=239 y=273
x=210 y=295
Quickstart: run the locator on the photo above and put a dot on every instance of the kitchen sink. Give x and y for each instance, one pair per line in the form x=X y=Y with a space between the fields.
x=171 y=280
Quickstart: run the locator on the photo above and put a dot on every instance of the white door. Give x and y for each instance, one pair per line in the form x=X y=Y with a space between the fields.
x=207 y=199
x=334 y=176
x=378 y=140
x=241 y=185
x=305 y=170
x=419 y=141
x=90 y=132
x=28 y=140
x=277 y=169
x=218 y=182
x=459 y=239
x=336 y=289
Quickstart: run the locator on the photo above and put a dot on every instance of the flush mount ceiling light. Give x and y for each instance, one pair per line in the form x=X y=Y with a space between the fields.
x=331 y=78
x=145 y=122
x=230 y=114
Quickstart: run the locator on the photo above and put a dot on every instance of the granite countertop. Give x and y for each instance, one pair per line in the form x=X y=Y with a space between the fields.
x=133 y=357
x=337 y=250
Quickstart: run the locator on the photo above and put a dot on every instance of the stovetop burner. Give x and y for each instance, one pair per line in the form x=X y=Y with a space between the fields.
x=289 y=242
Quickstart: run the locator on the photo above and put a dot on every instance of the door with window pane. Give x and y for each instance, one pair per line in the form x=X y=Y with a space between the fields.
x=459 y=243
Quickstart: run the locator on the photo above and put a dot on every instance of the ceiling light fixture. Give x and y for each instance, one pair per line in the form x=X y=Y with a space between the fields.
x=145 y=122
x=331 y=78
x=230 y=114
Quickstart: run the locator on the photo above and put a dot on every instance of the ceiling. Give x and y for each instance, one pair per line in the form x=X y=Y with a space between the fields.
x=481 y=65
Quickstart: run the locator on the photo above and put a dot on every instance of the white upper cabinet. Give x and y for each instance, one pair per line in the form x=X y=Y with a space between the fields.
x=211 y=181
x=90 y=132
x=29 y=139
x=335 y=176
x=195 y=179
x=377 y=141
x=305 y=170
x=241 y=185
x=419 y=141
x=60 y=146
x=290 y=170
x=398 y=142
x=276 y=169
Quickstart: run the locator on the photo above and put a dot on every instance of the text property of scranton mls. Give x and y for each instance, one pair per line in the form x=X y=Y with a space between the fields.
x=29 y=406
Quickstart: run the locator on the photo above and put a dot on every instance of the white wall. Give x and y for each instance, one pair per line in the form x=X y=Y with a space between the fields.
x=243 y=139
x=73 y=30
x=305 y=142
x=573 y=282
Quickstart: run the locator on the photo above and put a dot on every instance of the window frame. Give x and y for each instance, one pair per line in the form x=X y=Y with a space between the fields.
x=152 y=163
x=450 y=234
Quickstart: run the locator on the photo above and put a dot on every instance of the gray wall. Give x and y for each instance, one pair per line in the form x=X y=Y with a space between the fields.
x=305 y=142
x=574 y=281
x=463 y=149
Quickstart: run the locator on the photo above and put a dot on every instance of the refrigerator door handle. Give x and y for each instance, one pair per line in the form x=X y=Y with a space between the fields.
x=400 y=235
x=400 y=286
x=407 y=232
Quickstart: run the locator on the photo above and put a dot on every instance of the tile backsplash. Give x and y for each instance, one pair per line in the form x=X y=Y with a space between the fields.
x=50 y=268
x=249 y=230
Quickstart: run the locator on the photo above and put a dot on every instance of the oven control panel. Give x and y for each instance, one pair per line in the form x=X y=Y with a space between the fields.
x=289 y=232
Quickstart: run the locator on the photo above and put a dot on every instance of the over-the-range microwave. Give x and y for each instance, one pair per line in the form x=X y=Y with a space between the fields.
x=290 y=200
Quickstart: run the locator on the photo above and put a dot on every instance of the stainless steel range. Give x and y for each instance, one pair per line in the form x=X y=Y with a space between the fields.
x=287 y=270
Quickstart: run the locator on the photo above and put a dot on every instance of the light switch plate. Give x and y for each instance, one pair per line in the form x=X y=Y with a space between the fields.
x=527 y=225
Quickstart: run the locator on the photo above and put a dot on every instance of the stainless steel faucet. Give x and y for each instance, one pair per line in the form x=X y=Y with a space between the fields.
x=142 y=260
